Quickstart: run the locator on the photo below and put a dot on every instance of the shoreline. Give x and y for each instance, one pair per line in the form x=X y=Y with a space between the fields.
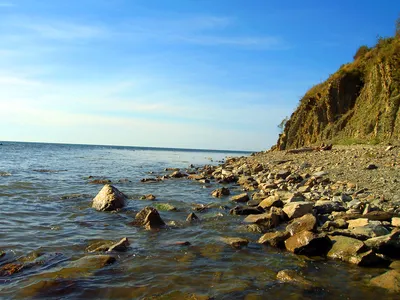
x=341 y=204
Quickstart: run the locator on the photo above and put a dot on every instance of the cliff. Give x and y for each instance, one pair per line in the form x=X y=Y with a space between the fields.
x=360 y=102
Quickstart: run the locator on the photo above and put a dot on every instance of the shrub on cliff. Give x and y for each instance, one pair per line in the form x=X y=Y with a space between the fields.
x=361 y=52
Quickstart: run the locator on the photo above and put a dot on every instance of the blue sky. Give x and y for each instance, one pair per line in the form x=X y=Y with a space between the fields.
x=190 y=73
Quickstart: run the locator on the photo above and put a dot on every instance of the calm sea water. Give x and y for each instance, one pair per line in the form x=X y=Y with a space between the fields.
x=45 y=207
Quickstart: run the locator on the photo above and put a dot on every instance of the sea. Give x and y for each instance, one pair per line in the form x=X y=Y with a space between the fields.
x=47 y=224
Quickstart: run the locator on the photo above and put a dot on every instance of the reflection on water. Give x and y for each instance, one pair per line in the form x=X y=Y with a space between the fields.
x=47 y=223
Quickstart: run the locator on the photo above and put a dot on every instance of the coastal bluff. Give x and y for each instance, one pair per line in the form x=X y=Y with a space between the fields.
x=357 y=104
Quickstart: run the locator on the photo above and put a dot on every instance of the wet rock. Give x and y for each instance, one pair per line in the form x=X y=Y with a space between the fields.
x=268 y=220
x=274 y=239
x=165 y=207
x=149 y=218
x=327 y=207
x=307 y=222
x=236 y=242
x=245 y=210
x=121 y=246
x=344 y=248
x=150 y=197
x=124 y=180
x=196 y=176
x=369 y=259
x=100 y=181
x=150 y=180
x=309 y=244
x=386 y=244
x=271 y=201
x=177 y=174
x=218 y=193
x=389 y=281
x=104 y=246
x=192 y=217
x=291 y=276
x=172 y=169
x=109 y=198
x=298 y=209
x=240 y=198
x=10 y=269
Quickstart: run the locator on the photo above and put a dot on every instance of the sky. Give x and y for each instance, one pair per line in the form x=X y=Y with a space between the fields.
x=207 y=74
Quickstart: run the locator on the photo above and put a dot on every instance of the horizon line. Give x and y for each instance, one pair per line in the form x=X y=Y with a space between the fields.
x=153 y=147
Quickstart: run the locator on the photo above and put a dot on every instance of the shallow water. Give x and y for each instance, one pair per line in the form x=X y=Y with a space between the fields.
x=45 y=199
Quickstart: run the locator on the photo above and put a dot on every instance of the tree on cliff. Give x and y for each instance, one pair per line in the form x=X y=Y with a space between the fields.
x=282 y=124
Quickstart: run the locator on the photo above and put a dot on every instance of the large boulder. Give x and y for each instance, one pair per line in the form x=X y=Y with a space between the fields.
x=298 y=209
x=218 y=193
x=109 y=198
x=354 y=251
x=309 y=244
x=344 y=247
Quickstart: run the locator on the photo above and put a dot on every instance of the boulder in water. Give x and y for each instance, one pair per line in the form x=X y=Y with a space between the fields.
x=109 y=198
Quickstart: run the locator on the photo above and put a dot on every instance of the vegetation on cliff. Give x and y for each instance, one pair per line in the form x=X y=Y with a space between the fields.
x=358 y=103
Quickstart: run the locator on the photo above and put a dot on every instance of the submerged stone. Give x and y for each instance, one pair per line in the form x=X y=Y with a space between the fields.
x=389 y=281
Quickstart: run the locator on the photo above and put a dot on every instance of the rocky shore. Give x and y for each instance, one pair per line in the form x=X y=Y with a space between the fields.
x=340 y=203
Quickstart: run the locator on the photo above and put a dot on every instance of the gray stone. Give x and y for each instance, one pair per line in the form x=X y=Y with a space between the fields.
x=327 y=207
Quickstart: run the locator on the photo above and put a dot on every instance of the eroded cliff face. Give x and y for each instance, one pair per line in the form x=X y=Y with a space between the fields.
x=360 y=101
